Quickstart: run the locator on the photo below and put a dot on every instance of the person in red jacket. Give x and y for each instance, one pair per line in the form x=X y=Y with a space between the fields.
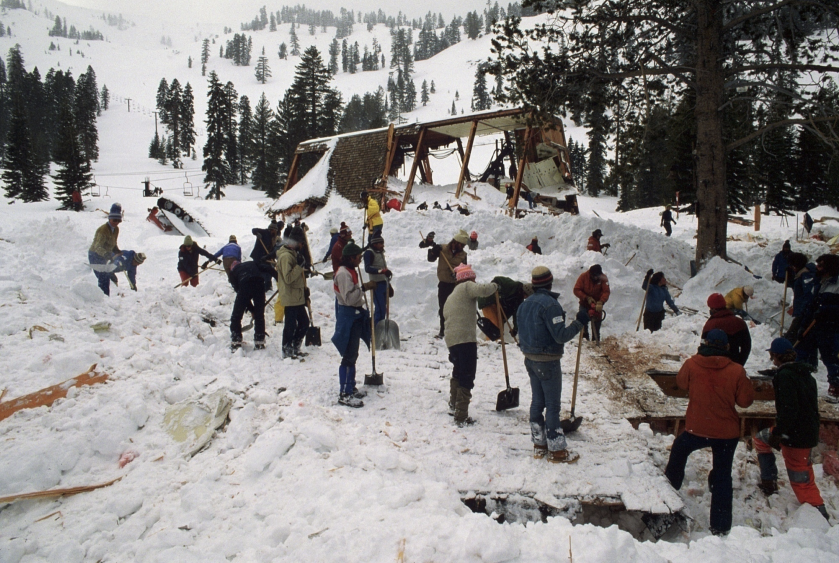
x=739 y=339
x=594 y=242
x=344 y=236
x=592 y=289
x=715 y=385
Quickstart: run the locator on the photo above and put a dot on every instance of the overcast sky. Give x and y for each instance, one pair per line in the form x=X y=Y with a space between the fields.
x=233 y=12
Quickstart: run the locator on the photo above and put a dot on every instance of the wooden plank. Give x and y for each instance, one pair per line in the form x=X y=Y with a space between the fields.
x=292 y=173
x=49 y=395
x=57 y=492
x=417 y=152
x=391 y=151
x=467 y=154
x=764 y=390
x=514 y=201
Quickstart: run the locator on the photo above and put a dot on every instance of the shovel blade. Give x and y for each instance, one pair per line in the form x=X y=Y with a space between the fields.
x=374 y=379
x=313 y=336
x=387 y=335
x=571 y=424
x=507 y=399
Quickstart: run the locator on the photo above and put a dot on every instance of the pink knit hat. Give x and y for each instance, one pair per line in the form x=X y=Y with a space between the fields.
x=464 y=272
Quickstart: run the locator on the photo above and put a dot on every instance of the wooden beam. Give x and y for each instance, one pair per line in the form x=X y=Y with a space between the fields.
x=292 y=173
x=414 y=165
x=49 y=395
x=427 y=167
x=514 y=202
x=391 y=151
x=464 y=169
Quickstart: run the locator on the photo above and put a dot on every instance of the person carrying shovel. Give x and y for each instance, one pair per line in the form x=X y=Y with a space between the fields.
x=375 y=265
x=450 y=256
x=592 y=289
x=542 y=334
x=461 y=339
x=291 y=286
x=188 y=261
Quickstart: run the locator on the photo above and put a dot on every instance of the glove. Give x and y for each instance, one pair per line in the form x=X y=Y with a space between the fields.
x=582 y=317
x=300 y=259
x=218 y=261
x=590 y=299
x=386 y=272
x=390 y=290
x=598 y=307
x=607 y=245
x=677 y=312
x=205 y=265
x=306 y=292
x=368 y=286
x=650 y=273
x=775 y=441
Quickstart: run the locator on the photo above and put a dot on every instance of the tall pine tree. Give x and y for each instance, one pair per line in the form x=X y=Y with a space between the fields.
x=215 y=164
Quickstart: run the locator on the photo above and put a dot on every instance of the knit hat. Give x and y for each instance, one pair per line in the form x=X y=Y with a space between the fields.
x=748 y=290
x=116 y=212
x=232 y=238
x=351 y=249
x=780 y=346
x=473 y=235
x=716 y=301
x=431 y=234
x=541 y=277
x=274 y=226
x=333 y=231
x=139 y=258
x=345 y=230
x=716 y=338
x=597 y=233
x=377 y=239
x=464 y=272
x=595 y=270
x=297 y=235
x=461 y=237
x=535 y=238
x=786 y=246
x=187 y=240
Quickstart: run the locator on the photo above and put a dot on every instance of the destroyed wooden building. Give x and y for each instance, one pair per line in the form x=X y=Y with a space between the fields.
x=537 y=157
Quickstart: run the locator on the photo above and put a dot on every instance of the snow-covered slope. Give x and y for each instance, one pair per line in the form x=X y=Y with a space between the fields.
x=294 y=476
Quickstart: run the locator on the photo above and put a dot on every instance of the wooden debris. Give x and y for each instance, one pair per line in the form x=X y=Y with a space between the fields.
x=49 y=395
x=58 y=512
x=57 y=492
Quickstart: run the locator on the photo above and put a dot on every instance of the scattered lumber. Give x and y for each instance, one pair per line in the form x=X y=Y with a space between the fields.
x=57 y=492
x=49 y=395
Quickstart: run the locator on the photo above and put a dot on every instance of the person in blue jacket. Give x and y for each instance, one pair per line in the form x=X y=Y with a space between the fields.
x=127 y=262
x=542 y=333
x=230 y=252
x=821 y=324
x=802 y=274
x=657 y=294
x=780 y=263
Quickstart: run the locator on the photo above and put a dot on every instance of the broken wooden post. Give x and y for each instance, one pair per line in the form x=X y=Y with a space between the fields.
x=757 y=217
x=463 y=169
x=292 y=173
x=414 y=166
x=514 y=201
x=46 y=397
x=391 y=151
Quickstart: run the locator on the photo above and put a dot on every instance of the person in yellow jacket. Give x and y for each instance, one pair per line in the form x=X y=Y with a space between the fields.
x=373 y=216
x=737 y=299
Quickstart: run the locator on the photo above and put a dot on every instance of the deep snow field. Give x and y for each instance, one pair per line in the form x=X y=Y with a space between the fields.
x=294 y=476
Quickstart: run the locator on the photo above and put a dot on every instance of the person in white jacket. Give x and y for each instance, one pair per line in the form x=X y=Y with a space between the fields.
x=459 y=314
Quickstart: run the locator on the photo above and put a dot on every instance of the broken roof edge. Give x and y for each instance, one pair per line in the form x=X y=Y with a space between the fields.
x=320 y=144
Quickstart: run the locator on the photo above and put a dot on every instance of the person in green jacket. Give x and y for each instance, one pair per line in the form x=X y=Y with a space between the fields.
x=291 y=285
x=796 y=429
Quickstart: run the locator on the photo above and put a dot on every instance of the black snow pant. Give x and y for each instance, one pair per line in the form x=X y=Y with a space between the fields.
x=652 y=321
x=464 y=358
x=444 y=289
x=251 y=297
x=296 y=323
x=668 y=228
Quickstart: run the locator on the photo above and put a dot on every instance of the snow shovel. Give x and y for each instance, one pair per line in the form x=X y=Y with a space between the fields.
x=313 y=332
x=371 y=378
x=509 y=397
x=387 y=331
x=571 y=424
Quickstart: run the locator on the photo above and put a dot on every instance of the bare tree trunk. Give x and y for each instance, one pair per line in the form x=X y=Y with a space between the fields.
x=711 y=191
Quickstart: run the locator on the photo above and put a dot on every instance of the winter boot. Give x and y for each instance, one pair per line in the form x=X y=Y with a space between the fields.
x=768 y=487
x=350 y=401
x=235 y=343
x=288 y=352
x=539 y=452
x=823 y=512
x=359 y=393
x=259 y=345
x=563 y=456
x=832 y=394
x=461 y=407
x=453 y=387
x=296 y=348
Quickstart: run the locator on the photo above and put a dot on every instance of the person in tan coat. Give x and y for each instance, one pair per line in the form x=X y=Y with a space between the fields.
x=461 y=338
x=291 y=287
x=450 y=256
x=715 y=385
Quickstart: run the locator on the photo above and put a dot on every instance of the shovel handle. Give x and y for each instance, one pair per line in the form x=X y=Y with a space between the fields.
x=503 y=347
x=643 y=306
x=576 y=374
x=797 y=342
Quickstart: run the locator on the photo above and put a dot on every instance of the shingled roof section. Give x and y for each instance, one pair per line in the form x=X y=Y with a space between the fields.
x=357 y=162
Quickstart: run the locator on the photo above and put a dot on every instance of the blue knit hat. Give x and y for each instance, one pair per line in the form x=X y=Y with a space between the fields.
x=716 y=338
x=116 y=212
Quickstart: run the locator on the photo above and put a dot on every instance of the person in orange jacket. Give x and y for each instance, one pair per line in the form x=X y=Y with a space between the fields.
x=715 y=385
x=594 y=242
x=592 y=289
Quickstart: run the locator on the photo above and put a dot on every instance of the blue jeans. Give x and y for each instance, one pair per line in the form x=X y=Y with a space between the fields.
x=546 y=386
x=104 y=278
x=827 y=345
x=719 y=479
x=379 y=302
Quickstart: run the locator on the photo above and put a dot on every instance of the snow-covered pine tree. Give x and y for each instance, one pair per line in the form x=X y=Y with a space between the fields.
x=424 y=97
x=215 y=164
x=334 y=51
x=187 y=120
x=231 y=149
x=73 y=170
x=263 y=71
x=480 y=96
x=205 y=56
x=245 y=139
x=294 y=42
x=105 y=98
x=263 y=176
x=85 y=110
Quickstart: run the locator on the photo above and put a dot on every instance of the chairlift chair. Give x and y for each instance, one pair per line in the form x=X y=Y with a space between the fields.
x=188 y=192
x=94 y=189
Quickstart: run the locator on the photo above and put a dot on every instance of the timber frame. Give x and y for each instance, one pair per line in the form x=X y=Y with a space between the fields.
x=363 y=160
